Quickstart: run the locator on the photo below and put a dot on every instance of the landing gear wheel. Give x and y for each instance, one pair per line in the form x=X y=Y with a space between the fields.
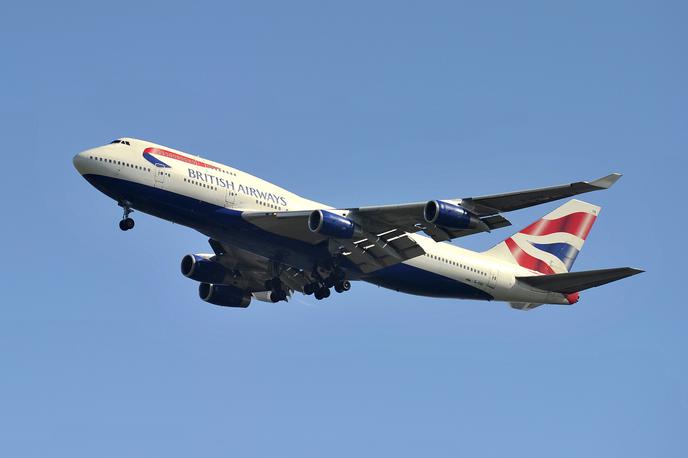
x=278 y=295
x=308 y=289
x=126 y=224
x=342 y=285
x=322 y=293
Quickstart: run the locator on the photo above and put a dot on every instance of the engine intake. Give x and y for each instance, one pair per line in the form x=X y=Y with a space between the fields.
x=450 y=216
x=198 y=267
x=331 y=224
x=223 y=295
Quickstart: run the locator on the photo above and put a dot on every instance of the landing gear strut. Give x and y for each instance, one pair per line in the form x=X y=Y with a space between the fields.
x=126 y=223
x=310 y=288
x=277 y=290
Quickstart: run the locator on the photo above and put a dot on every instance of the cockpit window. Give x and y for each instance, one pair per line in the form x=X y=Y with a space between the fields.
x=123 y=142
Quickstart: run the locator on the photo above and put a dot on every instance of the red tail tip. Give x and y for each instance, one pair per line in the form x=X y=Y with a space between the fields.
x=573 y=297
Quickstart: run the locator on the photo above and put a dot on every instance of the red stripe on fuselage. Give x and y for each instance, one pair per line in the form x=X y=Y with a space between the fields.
x=578 y=224
x=179 y=157
x=525 y=260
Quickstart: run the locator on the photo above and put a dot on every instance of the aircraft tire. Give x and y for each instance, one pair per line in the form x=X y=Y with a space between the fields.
x=342 y=286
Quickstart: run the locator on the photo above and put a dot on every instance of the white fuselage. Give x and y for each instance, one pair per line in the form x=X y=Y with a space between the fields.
x=224 y=186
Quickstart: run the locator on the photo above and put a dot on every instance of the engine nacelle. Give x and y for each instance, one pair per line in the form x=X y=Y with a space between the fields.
x=200 y=268
x=451 y=216
x=263 y=296
x=331 y=224
x=223 y=295
x=269 y=296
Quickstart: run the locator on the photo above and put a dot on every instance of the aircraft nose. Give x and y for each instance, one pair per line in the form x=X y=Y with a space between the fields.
x=80 y=161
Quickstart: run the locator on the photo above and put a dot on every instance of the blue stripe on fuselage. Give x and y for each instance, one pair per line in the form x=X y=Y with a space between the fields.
x=414 y=280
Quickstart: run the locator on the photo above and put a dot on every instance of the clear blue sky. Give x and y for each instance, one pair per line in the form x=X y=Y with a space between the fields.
x=107 y=351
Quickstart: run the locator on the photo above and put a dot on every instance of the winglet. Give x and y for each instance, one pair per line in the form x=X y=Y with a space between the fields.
x=606 y=182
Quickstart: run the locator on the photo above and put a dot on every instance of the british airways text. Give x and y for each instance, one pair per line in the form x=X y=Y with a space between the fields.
x=247 y=190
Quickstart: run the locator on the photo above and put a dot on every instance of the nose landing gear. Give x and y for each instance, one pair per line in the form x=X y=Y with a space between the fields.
x=126 y=223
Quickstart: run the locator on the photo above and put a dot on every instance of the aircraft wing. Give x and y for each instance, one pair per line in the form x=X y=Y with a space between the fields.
x=409 y=217
x=370 y=248
x=251 y=271
x=381 y=233
x=497 y=203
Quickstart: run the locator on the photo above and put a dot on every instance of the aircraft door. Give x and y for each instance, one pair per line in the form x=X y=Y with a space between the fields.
x=230 y=198
x=159 y=176
x=492 y=279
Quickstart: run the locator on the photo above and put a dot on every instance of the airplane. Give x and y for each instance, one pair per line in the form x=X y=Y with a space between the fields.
x=268 y=243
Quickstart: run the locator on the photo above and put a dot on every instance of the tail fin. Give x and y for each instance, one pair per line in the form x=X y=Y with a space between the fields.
x=551 y=244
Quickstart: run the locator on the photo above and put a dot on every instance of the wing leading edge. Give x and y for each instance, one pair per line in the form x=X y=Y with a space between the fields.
x=497 y=203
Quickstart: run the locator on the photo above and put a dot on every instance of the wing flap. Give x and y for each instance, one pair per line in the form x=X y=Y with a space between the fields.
x=572 y=282
x=377 y=251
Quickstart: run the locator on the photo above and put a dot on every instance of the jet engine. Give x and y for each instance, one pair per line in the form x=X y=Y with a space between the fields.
x=201 y=268
x=450 y=216
x=223 y=295
x=331 y=224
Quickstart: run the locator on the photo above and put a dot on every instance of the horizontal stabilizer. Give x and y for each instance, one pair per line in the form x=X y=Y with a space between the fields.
x=573 y=282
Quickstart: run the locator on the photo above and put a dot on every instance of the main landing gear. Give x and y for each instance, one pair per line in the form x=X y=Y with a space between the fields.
x=342 y=285
x=321 y=290
x=277 y=292
x=126 y=223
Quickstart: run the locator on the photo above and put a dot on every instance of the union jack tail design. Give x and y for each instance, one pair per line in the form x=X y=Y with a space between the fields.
x=551 y=244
